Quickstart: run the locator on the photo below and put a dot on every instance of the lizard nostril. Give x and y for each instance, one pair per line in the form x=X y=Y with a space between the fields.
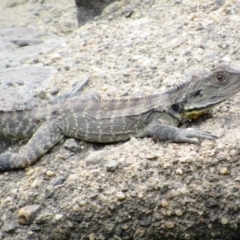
x=199 y=93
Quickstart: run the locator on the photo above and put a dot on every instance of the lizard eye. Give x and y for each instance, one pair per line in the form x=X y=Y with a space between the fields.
x=221 y=78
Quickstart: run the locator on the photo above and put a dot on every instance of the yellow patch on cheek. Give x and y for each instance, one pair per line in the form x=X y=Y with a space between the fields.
x=194 y=114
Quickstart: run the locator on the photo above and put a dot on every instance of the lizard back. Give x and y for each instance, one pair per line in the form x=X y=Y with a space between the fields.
x=110 y=120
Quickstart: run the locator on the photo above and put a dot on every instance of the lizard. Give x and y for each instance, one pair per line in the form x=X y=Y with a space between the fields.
x=97 y=120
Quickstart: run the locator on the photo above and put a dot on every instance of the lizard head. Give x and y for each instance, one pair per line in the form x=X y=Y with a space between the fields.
x=202 y=93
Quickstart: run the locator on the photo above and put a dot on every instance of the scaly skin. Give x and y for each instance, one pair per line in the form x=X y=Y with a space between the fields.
x=96 y=120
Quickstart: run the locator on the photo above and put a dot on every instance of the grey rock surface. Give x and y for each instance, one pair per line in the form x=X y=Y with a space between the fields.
x=19 y=44
x=23 y=85
x=160 y=190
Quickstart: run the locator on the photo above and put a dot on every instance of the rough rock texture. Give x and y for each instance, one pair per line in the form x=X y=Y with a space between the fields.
x=158 y=190
x=88 y=9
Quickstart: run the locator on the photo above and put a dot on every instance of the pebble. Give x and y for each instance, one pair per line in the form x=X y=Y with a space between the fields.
x=49 y=173
x=223 y=45
x=56 y=56
x=224 y=221
x=207 y=143
x=27 y=214
x=233 y=152
x=57 y=180
x=169 y=224
x=152 y=156
x=221 y=157
x=111 y=166
x=92 y=236
x=9 y=227
x=193 y=16
x=137 y=93
x=187 y=159
x=95 y=157
x=120 y=196
x=210 y=226
x=58 y=217
x=82 y=203
x=164 y=203
x=173 y=193
x=179 y=171
x=166 y=165
x=178 y=212
x=145 y=222
x=72 y=177
x=54 y=90
x=49 y=191
x=223 y=170
x=72 y=145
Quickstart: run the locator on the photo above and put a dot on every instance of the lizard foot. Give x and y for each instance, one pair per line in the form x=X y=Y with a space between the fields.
x=191 y=135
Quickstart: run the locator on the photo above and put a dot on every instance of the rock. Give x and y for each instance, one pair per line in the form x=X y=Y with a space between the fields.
x=95 y=157
x=18 y=44
x=109 y=227
x=58 y=217
x=54 y=90
x=111 y=166
x=72 y=144
x=56 y=56
x=43 y=217
x=57 y=180
x=224 y=221
x=36 y=76
x=145 y=222
x=150 y=50
x=92 y=236
x=223 y=170
x=152 y=156
x=72 y=177
x=14 y=3
x=27 y=214
x=9 y=227
x=120 y=196
x=137 y=93
x=178 y=212
x=164 y=203
x=49 y=173
x=49 y=191
x=179 y=171
x=169 y=224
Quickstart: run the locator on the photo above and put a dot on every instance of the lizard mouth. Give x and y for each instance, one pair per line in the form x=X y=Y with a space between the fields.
x=195 y=113
x=183 y=114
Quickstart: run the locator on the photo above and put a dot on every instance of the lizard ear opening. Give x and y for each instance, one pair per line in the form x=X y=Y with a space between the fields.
x=175 y=108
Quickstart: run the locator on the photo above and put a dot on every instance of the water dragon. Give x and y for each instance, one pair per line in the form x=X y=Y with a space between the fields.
x=95 y=120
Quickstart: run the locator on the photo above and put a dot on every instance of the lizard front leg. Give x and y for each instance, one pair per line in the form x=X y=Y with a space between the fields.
x=47 y=135
x=164 y=132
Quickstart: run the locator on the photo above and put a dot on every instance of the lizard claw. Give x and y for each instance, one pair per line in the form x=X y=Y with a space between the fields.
x=201 y=134
x=192 y=135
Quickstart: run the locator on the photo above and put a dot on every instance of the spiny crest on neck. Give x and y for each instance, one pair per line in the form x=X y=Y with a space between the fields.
x=177 y=87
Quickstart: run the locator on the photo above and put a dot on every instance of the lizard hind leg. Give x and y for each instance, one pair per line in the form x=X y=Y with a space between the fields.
x=47 y=135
